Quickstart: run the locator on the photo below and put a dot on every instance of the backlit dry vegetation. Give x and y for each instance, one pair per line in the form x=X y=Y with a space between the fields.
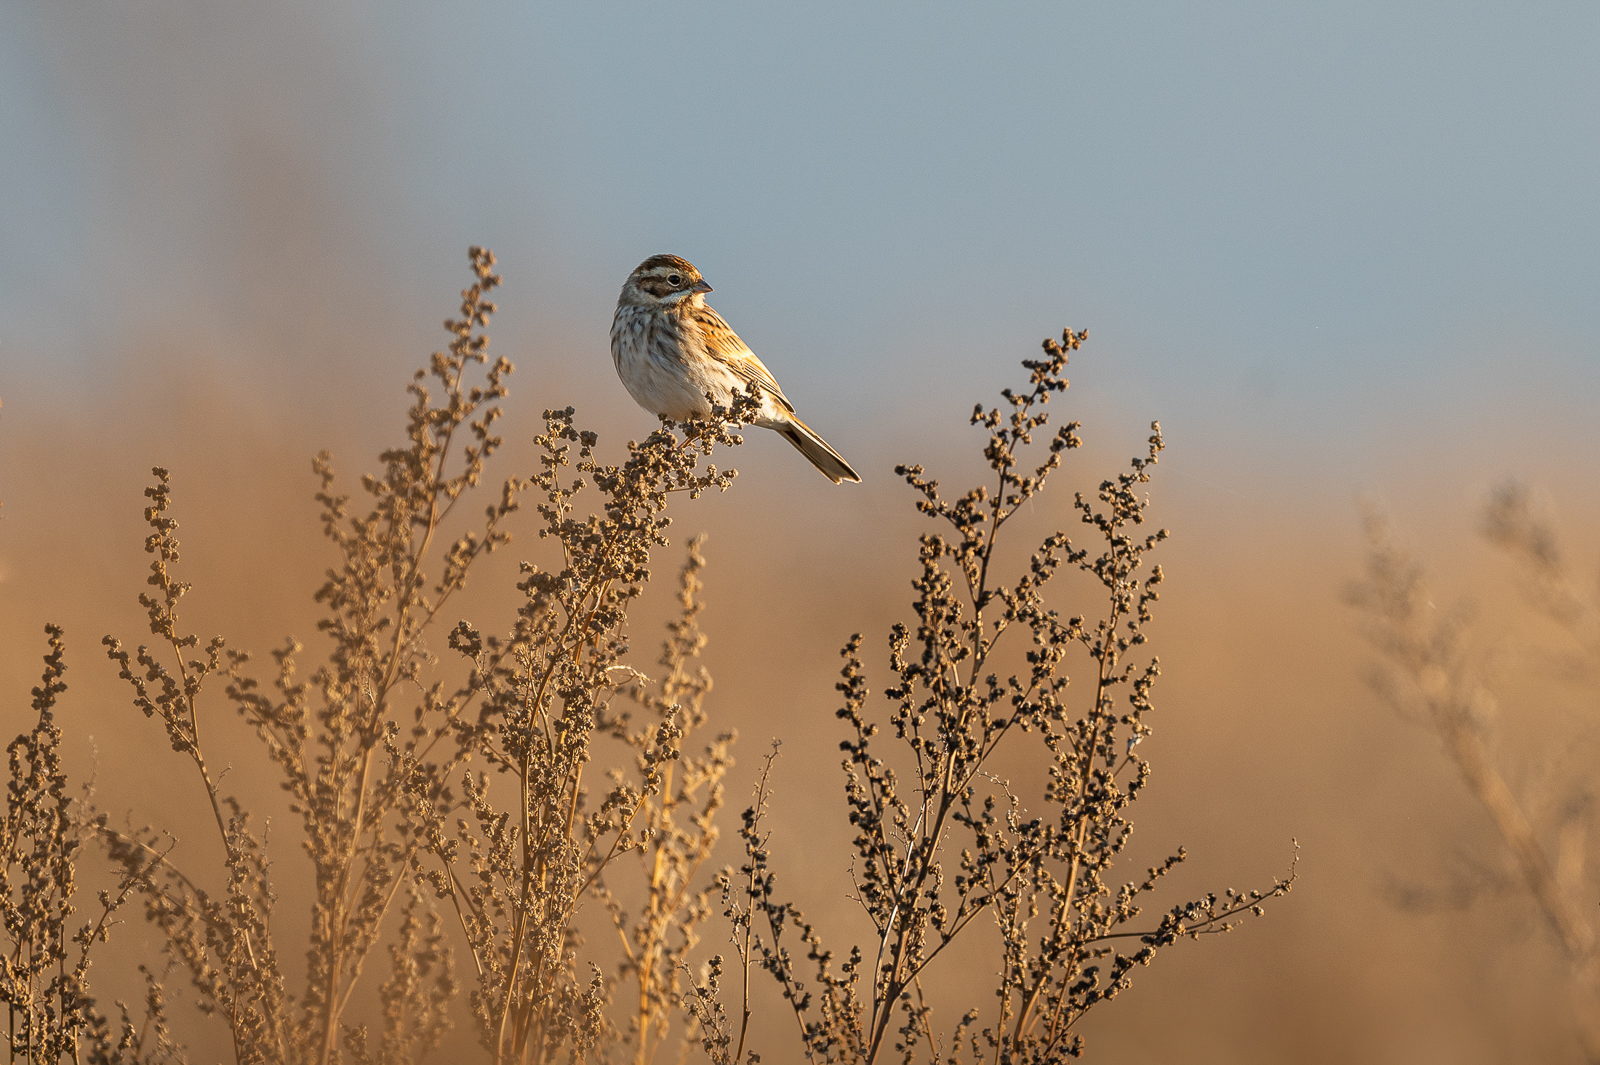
x=1440 y=666
x=467 y=796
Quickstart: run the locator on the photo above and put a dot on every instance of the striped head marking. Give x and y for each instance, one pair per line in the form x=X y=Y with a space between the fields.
x=664 y=279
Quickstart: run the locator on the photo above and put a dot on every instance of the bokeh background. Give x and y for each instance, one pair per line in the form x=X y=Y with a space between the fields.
x=1339 y=251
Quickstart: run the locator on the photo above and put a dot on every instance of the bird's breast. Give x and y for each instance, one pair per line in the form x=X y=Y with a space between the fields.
x=655 y=365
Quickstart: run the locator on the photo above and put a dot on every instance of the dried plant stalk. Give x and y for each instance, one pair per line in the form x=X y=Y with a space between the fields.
x=1432 y=673
x=547 y=689
x=678 y=825
x=352 y=772
x=940 y=840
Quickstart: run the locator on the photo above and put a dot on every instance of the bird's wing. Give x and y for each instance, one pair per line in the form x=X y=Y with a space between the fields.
x=724 y=345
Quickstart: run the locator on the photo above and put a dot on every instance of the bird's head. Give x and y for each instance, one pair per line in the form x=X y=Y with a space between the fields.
x=664 y=280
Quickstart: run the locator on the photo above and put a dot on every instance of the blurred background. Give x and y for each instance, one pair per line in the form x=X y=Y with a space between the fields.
x=1339 y=253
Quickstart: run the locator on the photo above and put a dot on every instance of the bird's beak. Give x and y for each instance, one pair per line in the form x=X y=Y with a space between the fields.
x=700 y=286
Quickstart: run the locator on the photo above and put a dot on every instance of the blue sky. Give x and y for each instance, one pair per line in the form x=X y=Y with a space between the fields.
x=1355 y=226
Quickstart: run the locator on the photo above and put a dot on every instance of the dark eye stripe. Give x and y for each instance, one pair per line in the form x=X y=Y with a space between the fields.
x=656 y=285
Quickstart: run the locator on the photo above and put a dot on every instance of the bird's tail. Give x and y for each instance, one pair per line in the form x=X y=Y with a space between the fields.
x=813 y=447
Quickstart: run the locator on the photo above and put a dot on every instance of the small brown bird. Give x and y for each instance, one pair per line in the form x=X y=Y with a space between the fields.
x=671 y=350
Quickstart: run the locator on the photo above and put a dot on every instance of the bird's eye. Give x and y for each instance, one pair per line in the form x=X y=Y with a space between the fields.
x=674 y=280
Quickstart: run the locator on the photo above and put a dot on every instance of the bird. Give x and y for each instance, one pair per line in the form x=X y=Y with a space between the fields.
x=672 y=351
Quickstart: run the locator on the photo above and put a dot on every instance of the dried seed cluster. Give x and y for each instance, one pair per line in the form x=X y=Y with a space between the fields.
x=940 y=840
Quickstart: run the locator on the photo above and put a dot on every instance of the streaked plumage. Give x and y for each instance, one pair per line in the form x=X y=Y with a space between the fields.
x=671 y=349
